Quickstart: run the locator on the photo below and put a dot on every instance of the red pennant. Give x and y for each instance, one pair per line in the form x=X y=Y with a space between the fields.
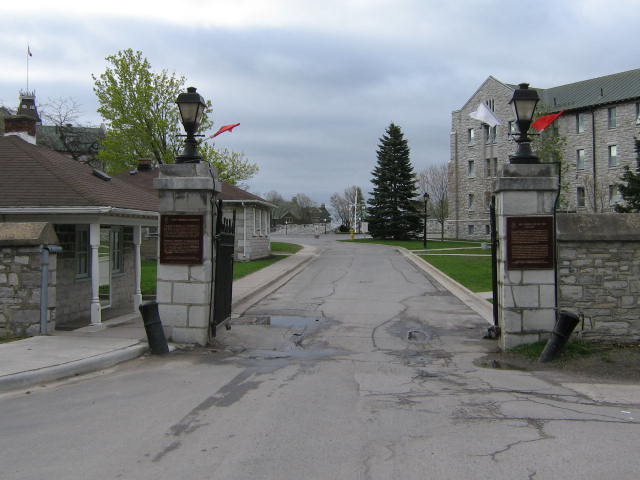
x=225 y=128
x=543 y=122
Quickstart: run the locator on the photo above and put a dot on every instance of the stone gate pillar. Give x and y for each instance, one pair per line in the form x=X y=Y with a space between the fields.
x=186 y=254
x=525 y=196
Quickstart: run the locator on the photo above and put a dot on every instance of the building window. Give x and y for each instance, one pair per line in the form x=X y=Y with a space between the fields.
x=82 y=251
x=470 y=201
x=613 y=155
x=491 y=134
x=117 y=254
x=256 y=221
x=490 y=167
x=638 y=113
x=487 y=200
x=580 y=121
x=471 y=229
x=471 y=136
x=614 y=195
x=472 y=169
x=487 y=230
x=580 y=159
x=612 y=117
x=580 y=197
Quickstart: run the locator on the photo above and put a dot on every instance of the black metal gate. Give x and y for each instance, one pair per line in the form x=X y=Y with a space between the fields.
x=494 y=258
x=223 y=287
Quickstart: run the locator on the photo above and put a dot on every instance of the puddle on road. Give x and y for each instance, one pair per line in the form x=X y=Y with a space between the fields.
x=280 y=321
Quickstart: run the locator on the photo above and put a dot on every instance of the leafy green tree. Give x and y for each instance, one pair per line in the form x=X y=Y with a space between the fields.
x=143 y=120
x=392 y=214
x=138 y=106
x=233 y=167
x=630 y=188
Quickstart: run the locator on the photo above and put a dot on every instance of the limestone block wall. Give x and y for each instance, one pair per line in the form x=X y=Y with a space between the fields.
x=249 y=243
x=20 y=278
x=599 y=273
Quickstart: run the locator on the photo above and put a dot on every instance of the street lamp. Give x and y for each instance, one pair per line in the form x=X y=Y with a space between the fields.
x=524 y=103
x=192 y=106
x=426 y=201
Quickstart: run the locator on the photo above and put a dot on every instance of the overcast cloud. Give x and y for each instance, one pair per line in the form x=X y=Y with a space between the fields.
x=315 y=84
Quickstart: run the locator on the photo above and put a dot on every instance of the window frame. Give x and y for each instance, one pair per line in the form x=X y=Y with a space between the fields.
x=580 y=159
x=613 y=159
x=82 y=253
x=117 y=250
x=581 y=197
x=471 y=169
x=612 y=121
x=580 y=122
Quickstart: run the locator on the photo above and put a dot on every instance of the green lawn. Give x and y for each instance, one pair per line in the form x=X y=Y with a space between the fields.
x=472 y=272
x=148 y=278
x=470 y=251
x=282 y=247
x=241 y=269
x=417 y=244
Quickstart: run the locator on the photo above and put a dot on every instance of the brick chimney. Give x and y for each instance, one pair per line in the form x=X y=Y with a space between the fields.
x=22 y=126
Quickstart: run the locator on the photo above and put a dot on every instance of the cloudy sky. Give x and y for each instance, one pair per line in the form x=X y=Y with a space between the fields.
x=315 y=83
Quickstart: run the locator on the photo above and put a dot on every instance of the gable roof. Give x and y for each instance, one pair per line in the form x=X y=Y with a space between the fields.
x=143 y=180
x=35 y=176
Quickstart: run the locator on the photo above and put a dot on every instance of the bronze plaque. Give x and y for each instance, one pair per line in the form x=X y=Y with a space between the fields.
x=181 y=238
x=530 y=243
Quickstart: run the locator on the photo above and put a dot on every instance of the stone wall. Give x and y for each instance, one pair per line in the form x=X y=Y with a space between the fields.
x=250 y=245
x=20 y=280
x=599 y=273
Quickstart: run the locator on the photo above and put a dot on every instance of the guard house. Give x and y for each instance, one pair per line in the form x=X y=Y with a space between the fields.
x=98 y=221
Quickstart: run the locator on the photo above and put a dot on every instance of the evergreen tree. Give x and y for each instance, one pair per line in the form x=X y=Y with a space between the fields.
x=630 y=189
x=392 y=213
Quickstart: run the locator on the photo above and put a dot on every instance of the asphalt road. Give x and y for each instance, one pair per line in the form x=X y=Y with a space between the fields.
x=360 y=367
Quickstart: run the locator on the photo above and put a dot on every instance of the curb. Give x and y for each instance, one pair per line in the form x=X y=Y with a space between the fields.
x=72 y=368
x=304 y=256
x=466 y=296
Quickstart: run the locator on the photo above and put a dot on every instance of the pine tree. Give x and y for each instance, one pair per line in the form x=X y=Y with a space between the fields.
x=630 y=189
x=392 y=214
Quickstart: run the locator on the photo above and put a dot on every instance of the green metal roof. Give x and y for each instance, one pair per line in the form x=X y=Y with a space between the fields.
x=618 y=87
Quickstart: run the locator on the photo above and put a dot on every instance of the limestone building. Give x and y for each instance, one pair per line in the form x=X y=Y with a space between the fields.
x=600 y=123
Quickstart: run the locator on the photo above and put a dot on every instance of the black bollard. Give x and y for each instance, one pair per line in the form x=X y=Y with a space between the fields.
x=153 y=327
x=565 y=324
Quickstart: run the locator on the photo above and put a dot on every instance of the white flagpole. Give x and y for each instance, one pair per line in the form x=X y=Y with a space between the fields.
x=28 y=51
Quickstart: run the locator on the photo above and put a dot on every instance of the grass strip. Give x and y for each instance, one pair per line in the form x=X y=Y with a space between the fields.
x=416 y=244
x=242 y=269
x=472 y=272
x=282 y=247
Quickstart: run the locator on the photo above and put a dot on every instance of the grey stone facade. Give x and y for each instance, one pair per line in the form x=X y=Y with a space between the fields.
x=184 y=292
x=589 y=183
x=253 y=221
x=21 y=267
x=599 y=273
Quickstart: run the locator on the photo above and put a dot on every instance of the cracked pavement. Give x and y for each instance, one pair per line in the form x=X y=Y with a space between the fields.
x=374 y=378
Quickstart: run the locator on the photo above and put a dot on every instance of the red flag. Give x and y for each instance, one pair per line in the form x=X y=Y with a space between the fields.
x=224 y=128
x=543 y=122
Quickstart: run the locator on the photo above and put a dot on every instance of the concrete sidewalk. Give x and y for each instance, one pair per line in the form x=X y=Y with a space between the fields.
x=41 y=359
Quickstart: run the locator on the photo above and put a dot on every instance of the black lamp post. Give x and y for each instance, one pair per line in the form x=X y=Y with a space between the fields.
x=192 y=106
x=524 y=103
x=426 y=200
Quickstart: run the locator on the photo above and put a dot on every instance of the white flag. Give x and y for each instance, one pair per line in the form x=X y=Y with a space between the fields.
x=485 y=115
